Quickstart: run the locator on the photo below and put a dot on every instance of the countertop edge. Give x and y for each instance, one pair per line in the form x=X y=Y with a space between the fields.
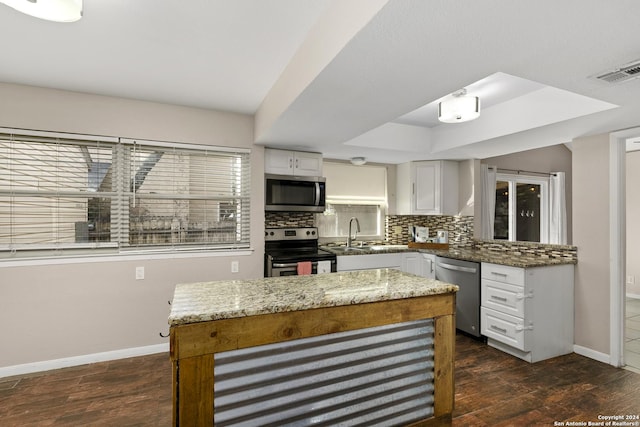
x=473 y=255
x=220 y=300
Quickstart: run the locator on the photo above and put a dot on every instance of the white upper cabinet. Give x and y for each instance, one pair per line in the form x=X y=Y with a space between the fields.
x=284 y=162
x=427 y=188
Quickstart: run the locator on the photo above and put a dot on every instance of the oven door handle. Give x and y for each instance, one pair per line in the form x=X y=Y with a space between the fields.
x=291 y=264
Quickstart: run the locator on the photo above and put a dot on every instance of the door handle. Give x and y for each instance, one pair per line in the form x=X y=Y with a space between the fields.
x=496 y=328
x=457 y=268
x=523 y=296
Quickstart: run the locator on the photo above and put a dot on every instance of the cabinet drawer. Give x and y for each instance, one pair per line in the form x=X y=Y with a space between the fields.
x=503 y=297
x=504 y=328
x=503 y=273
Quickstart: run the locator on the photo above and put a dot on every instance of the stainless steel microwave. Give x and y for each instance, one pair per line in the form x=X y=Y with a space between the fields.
x=287 y=193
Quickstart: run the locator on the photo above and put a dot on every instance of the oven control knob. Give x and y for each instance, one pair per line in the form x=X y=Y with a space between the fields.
x=313 y=233
x=272 y=233
x=308 y=232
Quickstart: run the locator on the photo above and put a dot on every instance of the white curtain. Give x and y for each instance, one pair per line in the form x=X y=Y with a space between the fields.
x=557 y=209
x=488 y=205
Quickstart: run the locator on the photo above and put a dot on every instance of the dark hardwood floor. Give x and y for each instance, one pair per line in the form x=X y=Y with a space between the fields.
x=492 y=389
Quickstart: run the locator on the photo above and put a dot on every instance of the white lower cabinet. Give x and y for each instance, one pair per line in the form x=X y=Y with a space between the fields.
x=365 y=262
x=420 y=264
x=528 y=312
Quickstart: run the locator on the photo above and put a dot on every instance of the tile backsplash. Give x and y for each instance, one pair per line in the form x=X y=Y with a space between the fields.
x=528 y=249
x=460 y=228
x=288 y=219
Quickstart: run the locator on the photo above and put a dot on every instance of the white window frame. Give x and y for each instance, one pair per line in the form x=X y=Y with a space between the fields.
x=119 y=235
x=382 y=211
x=513 y=180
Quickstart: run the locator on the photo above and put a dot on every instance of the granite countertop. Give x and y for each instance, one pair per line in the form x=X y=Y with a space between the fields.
x=201 y=302
x=513 y=259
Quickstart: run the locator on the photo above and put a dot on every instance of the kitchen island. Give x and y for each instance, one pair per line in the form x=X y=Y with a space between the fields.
x=374 y=346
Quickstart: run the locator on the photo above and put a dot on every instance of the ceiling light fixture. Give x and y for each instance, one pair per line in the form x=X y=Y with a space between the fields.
x=358 y=161
x=50 y=10
x=459 y=107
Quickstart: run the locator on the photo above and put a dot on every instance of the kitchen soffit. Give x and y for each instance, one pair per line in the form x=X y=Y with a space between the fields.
x=401 y=54
x=509 y=104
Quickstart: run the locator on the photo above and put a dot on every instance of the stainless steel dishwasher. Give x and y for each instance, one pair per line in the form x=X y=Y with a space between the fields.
x=466 y=275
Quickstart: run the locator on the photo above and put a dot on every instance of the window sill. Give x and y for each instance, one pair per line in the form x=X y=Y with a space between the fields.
x=122 y=256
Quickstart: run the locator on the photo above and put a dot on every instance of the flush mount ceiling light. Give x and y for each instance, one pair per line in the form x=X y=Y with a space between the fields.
x=459 y=107
x=50 y=10
x=358 y=161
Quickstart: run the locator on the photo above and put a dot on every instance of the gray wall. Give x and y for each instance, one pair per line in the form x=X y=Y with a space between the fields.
x=555 y=158
x=591 y=236
x=57 y=310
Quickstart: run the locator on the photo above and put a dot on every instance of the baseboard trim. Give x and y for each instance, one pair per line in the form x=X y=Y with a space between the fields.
x=592 y=354
x=47 y=365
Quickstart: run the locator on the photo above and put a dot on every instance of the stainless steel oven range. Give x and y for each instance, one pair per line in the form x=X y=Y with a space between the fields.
x=285 y=248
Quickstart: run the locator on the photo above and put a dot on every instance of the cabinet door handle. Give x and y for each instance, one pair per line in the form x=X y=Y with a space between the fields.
x=520 y=328
x=499 y=274
x=523 y=296
x=503 y=299
x=496 y=328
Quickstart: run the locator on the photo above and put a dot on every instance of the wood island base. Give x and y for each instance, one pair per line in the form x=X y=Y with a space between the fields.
x=193 y=346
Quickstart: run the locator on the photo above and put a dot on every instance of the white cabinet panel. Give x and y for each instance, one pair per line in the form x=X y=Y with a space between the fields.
x=503 y=273
x=427 y=188
x=411 y=263
x=307 y=164
x=510 y=330
x=278 y=162
x=420 y=264
x=503 y=297
x=283 y=162
x=365 y=262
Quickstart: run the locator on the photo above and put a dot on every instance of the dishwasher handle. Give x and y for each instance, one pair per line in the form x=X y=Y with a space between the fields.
x=456 y=267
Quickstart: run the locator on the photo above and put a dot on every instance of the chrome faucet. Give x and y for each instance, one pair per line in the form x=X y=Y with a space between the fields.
x=349 y=239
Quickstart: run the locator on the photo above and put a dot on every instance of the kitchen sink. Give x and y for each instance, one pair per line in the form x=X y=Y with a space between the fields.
x=346 y=249
x=382 y=247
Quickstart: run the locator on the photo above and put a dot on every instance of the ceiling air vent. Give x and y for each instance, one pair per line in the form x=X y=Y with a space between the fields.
x=621 y=74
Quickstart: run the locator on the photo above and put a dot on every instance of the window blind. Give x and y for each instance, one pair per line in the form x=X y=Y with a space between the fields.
x=62 y=191
x=185 y=196
x=355 y=184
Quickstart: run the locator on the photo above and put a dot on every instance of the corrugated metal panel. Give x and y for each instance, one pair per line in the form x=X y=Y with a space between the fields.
x=377 y=376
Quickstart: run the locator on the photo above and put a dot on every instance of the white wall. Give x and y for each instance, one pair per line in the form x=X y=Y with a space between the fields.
x=633 y=226
x=58 y=311
x=591 y=236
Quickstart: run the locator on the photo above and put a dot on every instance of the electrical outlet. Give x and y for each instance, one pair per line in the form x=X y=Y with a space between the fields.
x=139 y=273
x=235 y=266
x=631 y=280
